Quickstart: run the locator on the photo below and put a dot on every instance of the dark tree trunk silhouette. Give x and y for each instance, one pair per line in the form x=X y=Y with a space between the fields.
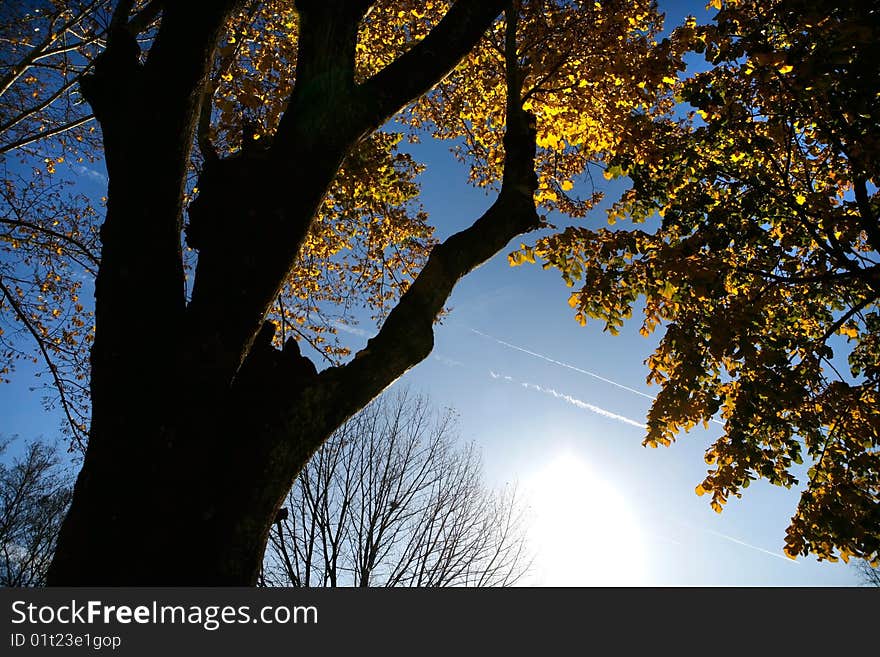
x=199 y=426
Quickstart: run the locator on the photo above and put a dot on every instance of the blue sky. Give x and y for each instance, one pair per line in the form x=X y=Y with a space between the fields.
x=561 y=421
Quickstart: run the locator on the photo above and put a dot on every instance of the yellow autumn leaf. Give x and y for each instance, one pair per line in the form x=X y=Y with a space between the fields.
x=548 y=141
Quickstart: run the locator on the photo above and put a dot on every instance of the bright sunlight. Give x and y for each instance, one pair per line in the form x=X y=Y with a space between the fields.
x=583 y=531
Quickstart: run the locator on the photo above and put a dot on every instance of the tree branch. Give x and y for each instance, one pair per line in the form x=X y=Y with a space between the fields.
x=38 y=51
x=76 y=430
x=407 y=335
x=82 y=248
x=867 y=218
x=142 y=20
x=119 y=18
x=427 y=62
x=843 y=319
x=26 y=141
x=30 y=111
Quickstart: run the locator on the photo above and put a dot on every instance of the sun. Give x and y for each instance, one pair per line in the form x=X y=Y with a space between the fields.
x=583 y=531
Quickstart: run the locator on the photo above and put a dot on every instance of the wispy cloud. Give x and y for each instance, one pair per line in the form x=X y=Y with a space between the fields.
x=574 y=401
x=495 y=375
x=449 y=362
x=92 y=174
x=348 y=328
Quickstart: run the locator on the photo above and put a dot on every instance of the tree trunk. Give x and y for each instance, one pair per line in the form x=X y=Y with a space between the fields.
x=175 y=506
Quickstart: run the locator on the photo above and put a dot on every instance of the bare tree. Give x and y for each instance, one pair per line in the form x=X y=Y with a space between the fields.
x=35 y=492
x=392 y=499
x=868 y=574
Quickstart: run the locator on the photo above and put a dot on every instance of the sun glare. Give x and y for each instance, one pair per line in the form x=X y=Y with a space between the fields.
x=583 y=531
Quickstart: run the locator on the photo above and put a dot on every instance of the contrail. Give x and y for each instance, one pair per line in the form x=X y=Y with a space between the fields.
x=572 y=367
x=719 y=535
x=748 y=545
x=732 y=539
x=584 y=405
x=561 y=364
x=572 y=400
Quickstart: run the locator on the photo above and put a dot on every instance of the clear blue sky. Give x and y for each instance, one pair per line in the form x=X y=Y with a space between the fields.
x=607 y=510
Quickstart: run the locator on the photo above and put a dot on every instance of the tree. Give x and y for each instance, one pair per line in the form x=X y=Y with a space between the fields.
x=35 y=492
x=764 y=259
x=391 y=500
x=199 y=422
x=868 y=574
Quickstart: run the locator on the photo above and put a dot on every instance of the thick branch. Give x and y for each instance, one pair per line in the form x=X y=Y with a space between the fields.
x=320 y=107
x=407 y=335
x=297 y=414
x=427 y=62
x=119 y=19
x=144 y=18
